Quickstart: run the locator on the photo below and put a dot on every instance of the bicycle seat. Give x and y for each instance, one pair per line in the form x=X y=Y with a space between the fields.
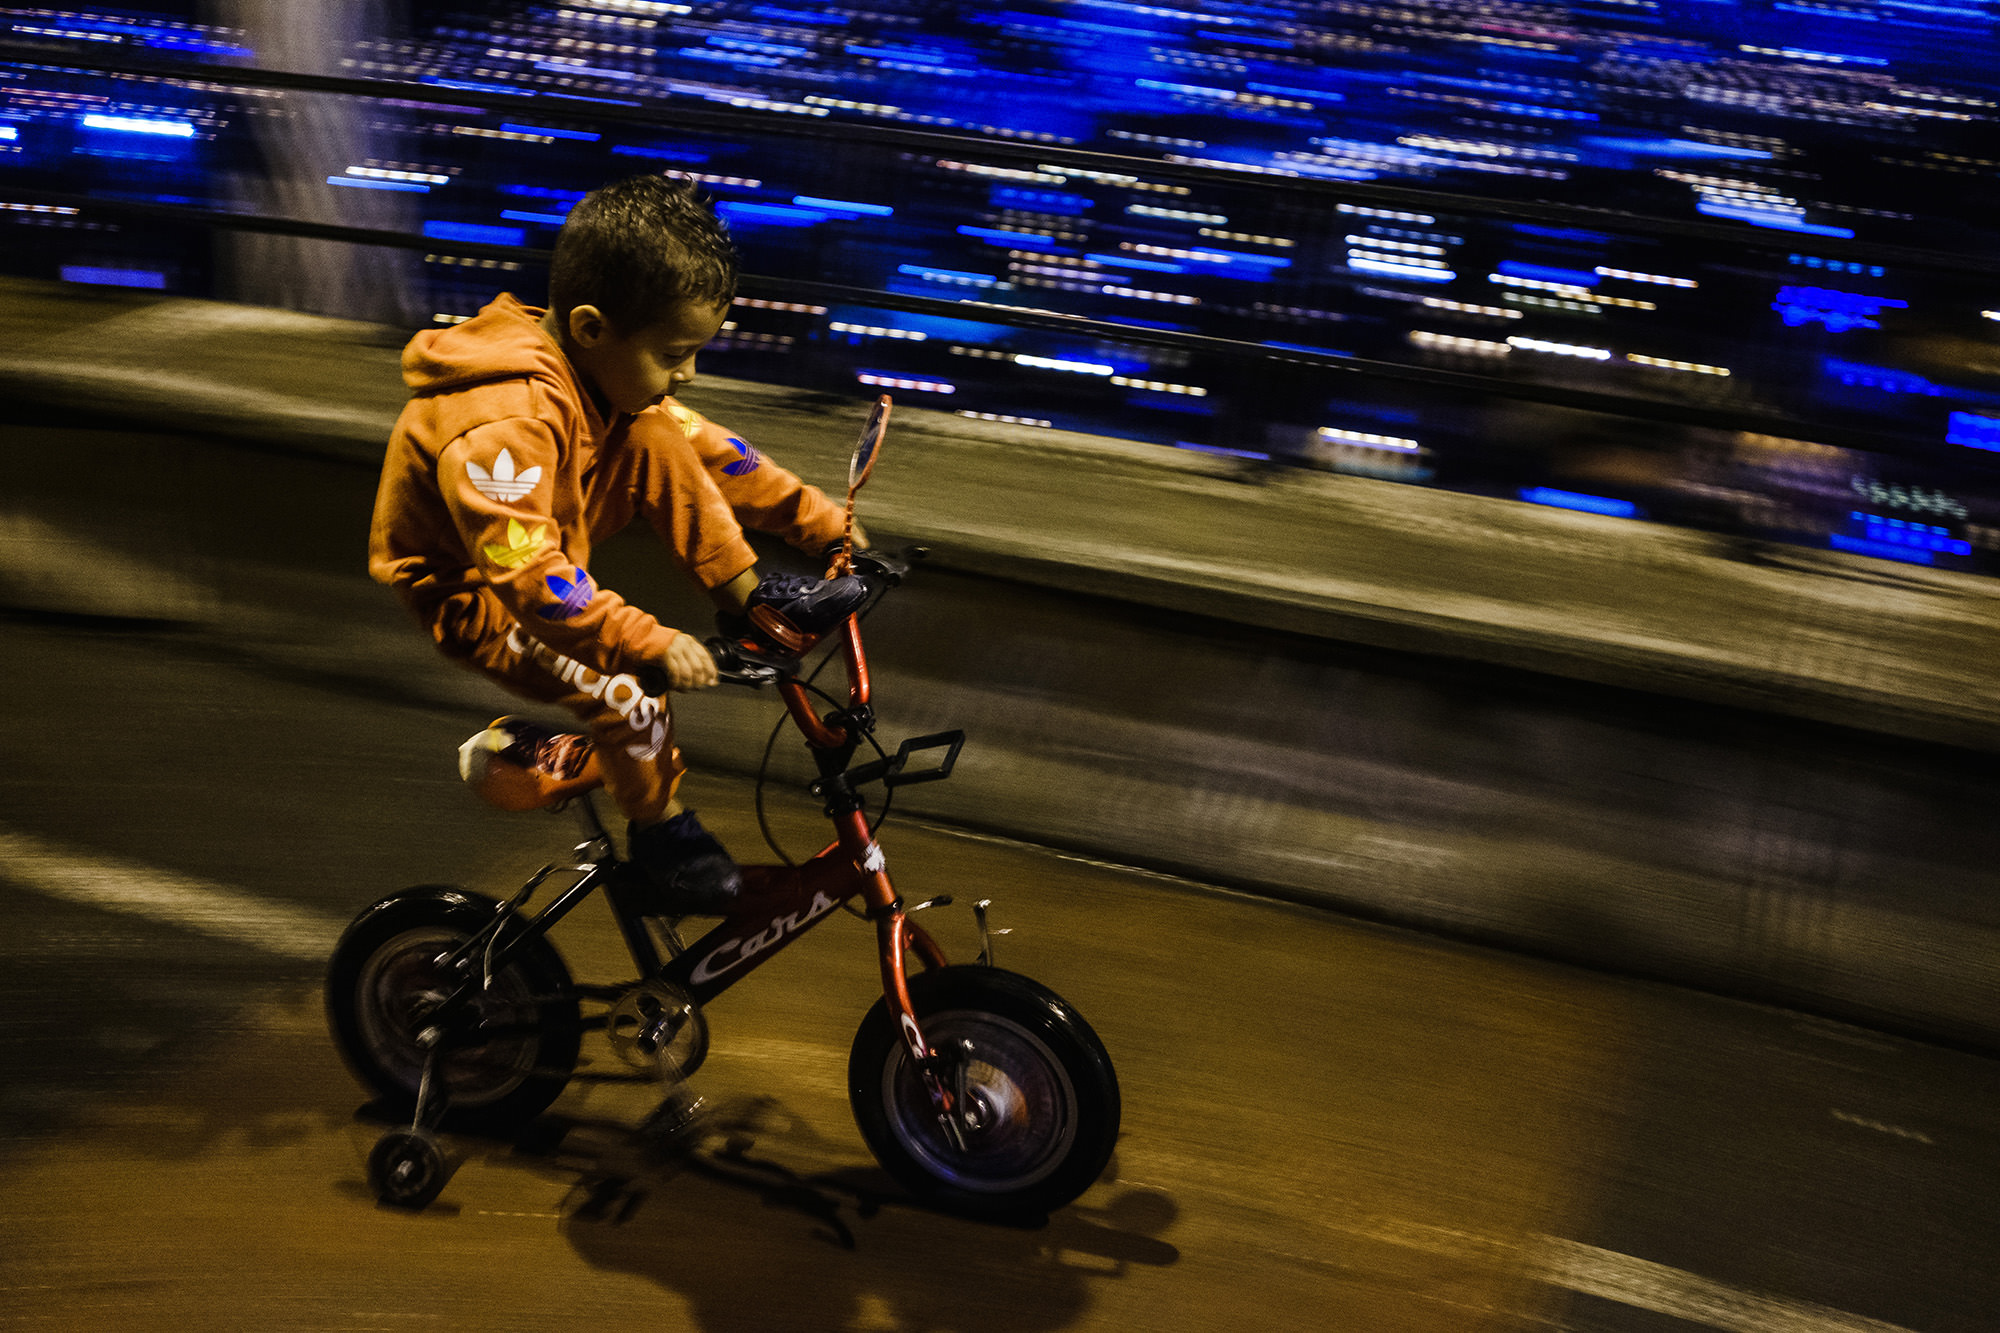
x=521 y=765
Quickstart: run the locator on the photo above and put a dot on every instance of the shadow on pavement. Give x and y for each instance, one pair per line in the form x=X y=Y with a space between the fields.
x=749 y=1241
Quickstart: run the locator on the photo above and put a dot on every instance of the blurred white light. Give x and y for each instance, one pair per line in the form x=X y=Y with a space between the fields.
x=1395 y=442
x=1560 y=349
x=175 y=129
x=1664 y=364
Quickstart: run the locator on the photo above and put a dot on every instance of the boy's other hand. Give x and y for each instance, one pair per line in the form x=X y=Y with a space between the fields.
x=689 y=664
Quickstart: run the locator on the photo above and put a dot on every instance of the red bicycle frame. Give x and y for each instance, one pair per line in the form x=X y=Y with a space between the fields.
x=781 y=902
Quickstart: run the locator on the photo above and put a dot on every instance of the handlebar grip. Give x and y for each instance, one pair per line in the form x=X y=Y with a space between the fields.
x=653 y=680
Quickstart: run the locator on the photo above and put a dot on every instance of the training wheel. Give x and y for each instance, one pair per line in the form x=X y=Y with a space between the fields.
x=406 y=1168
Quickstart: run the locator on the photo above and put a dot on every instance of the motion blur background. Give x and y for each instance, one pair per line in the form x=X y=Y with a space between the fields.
x=1721 y=265
x=1252 y=363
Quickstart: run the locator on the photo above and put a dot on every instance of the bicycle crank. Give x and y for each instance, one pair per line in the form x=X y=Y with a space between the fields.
x=657 y=1029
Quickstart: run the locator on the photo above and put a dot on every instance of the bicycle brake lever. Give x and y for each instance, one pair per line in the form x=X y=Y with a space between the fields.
x=890 y=569
x=740 y=664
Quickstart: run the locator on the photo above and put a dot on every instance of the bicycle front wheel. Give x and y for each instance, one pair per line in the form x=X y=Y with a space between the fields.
x=1041 y=1104
x=504 y=1058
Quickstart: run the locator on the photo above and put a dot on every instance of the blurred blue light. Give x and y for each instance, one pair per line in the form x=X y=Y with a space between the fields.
x=1019 y=240
x=542 y=192
x=440 y=230
x=1682 y=148
x=762 y=48
x=114 y=277
x=972 y=332
x=1829 y=57
x=843 y=206
x=1836 y=311
x=1829 y=12
x=1589 y=504
x=1052 y=201
x=768 y=215
x=466 y=85
x=725 y=57
x=1904 y=532
x=546 y=219
x=1766 y=217
x=1149 y=265
x=1190 y=89
x=1840 y=541
x=1306 y=94
x=1574 y=235
x=1568 y=277
x=581 y=136
x=200 y=46
x=357 y=183
x=1540 y=112
x=1839 y=265
x=1973 y=431
x=1858 y=375
x=1245 y=39
x=1493 y=51
x=665 y=152
x=919 y=54
x=777 y=15
x=1954 y=11
x=1305 y=347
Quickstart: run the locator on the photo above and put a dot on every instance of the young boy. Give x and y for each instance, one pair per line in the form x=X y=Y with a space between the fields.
x=532 y=434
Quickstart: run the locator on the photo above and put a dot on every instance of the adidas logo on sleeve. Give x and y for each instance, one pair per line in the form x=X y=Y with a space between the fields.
x=502 y=482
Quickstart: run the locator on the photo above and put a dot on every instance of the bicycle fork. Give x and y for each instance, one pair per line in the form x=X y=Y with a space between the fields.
x=943 y=1073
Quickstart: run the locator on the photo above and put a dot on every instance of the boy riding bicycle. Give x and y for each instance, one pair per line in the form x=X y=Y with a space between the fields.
x=533 y=433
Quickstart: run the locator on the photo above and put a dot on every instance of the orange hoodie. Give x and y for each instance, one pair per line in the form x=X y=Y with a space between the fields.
x=501 y=471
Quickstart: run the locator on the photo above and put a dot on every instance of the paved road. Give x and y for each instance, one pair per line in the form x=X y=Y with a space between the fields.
x=1328 y=1125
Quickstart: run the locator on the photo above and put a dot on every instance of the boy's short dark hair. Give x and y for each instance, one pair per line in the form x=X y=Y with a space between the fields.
x=638 y=247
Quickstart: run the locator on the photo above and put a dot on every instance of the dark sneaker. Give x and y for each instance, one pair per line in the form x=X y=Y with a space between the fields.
x=689 y=872
x=806 y=607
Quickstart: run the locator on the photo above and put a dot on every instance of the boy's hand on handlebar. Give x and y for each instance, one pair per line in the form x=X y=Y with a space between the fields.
x=689 y=664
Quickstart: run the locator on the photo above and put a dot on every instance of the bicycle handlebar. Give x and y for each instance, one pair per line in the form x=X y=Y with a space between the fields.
x=740 y=662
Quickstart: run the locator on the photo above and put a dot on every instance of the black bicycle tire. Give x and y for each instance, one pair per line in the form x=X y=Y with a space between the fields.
x=879 y=1057
x=542 y=973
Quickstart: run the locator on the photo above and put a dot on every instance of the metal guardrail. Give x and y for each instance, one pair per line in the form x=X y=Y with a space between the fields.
x=695 y=115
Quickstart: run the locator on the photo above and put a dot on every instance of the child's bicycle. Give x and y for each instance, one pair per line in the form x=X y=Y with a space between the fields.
x=980 y=1091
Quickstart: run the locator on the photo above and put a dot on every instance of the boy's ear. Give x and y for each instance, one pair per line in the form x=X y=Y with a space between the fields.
x=587 y=325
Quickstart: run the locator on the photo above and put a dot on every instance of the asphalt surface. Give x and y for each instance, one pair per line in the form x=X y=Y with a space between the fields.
x=1328 y=1124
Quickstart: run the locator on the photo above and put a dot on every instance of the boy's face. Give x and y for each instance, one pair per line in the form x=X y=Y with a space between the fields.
x=635 y=370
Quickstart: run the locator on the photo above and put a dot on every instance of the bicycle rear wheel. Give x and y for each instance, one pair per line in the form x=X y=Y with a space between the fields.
x=505 y=1057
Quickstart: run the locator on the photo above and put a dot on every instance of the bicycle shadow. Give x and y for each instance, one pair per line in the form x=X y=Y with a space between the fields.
x=750 y=1243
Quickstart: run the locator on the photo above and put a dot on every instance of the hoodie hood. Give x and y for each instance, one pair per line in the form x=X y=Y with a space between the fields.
x=503 y=341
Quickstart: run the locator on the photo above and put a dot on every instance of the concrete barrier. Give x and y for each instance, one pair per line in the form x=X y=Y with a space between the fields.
x=1836 y=871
